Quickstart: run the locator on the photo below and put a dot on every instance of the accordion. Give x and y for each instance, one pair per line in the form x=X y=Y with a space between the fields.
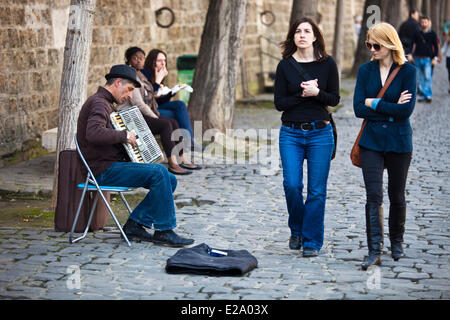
x=147 y=149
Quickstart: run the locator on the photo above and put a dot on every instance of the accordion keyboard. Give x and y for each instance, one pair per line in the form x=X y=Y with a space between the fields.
x=147 y=149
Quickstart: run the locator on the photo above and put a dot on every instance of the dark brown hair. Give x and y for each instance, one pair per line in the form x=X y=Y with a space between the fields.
x=150 y=62
x=289 y=46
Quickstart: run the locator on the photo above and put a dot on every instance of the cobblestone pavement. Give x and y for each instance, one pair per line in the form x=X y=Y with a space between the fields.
x=236 y=207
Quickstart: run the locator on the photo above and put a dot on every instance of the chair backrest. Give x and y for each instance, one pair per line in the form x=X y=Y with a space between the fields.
x=91 y=179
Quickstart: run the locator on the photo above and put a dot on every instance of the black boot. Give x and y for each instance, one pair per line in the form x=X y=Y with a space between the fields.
x=295 y=243
x=374 y=230
x=397 y=217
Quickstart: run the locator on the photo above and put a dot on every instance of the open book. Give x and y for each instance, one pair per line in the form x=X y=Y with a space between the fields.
x=163 y=90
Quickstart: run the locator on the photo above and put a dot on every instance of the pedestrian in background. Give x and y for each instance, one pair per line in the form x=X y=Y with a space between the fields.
x=307 y=81
x=386 y=141
x=408 y=30
x=424 y=54
x=446 y=49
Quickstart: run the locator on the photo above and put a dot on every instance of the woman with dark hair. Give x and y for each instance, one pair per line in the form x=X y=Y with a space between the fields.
x=144 y=99
x=155 y=69
x=307 y=81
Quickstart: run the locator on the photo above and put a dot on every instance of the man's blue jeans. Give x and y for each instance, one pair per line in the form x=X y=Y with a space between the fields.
x=157 y=208
x=177 y=110
x=424 y=76
x=306 y=219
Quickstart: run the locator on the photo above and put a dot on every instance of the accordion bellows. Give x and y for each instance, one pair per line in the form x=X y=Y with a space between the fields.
x=198 y=260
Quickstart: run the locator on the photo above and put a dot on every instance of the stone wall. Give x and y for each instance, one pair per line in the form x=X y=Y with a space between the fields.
x=31 y=56
x=32 y=39
x=116 y=30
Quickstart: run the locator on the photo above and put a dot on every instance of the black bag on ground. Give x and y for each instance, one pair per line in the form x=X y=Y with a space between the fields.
x=201 y=259
x=69 y=176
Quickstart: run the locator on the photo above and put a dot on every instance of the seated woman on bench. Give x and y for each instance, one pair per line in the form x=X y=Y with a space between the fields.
x=144 y=99
x=155 y=70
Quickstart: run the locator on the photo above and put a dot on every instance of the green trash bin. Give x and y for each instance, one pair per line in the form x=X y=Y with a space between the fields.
x=186 y=68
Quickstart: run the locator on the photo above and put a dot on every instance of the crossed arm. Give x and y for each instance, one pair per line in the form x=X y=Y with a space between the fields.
x=378 y=109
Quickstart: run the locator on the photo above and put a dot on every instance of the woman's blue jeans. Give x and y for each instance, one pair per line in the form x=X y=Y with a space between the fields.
x=306 y=219
x=177 y=110
x=157 y=208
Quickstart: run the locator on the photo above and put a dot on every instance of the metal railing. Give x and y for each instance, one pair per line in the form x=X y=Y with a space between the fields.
x=263 y=53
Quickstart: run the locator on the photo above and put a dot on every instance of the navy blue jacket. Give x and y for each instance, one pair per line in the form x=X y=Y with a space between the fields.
x=388 y=127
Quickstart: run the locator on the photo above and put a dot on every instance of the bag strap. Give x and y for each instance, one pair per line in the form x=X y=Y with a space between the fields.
x=300 y=70
x=388 y=81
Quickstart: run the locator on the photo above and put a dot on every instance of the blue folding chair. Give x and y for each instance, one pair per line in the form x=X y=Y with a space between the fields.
x=92 y=185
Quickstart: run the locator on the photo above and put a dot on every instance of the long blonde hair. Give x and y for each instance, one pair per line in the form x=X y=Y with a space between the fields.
x=386 y=35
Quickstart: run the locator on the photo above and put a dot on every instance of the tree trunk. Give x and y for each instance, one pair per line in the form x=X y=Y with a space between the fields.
x=362 y=55
x=74 y=77
x=216 y=70
x=444 y=16
x=426 y=7
x=392 y=12
x=435 y=7
x=338 y=33
x=301 y=8
x=446 y=10
x=415 y=4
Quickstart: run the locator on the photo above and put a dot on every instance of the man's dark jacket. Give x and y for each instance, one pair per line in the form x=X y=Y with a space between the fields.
x=406 y=33
x=99 y=142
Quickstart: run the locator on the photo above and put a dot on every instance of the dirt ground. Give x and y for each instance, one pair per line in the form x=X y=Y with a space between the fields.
x=34 y=211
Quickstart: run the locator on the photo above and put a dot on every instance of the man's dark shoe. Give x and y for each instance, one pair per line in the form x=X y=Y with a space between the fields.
x=310 y=252
x=134 y=231
x=420 y=99
x=170 y=238
x=295 y=243
x=428 y=100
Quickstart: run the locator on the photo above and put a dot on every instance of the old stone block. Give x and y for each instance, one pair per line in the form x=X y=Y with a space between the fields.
x=5 y=16
x=3 y=82
x=41 y=58
x=38 y=83
x=30 y=38
x=54 y=58
x=44 y=37
x=413 y=275
x=15 y=37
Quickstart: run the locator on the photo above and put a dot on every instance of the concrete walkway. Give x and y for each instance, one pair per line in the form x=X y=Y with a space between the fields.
x=236 y=207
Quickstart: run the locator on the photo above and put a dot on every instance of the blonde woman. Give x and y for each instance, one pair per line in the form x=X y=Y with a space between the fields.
x=386 y=141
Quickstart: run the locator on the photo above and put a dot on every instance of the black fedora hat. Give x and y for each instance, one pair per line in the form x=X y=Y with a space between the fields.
x=125 y=72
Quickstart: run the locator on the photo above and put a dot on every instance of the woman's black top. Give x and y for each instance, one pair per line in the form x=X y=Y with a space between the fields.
x=288 y=91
